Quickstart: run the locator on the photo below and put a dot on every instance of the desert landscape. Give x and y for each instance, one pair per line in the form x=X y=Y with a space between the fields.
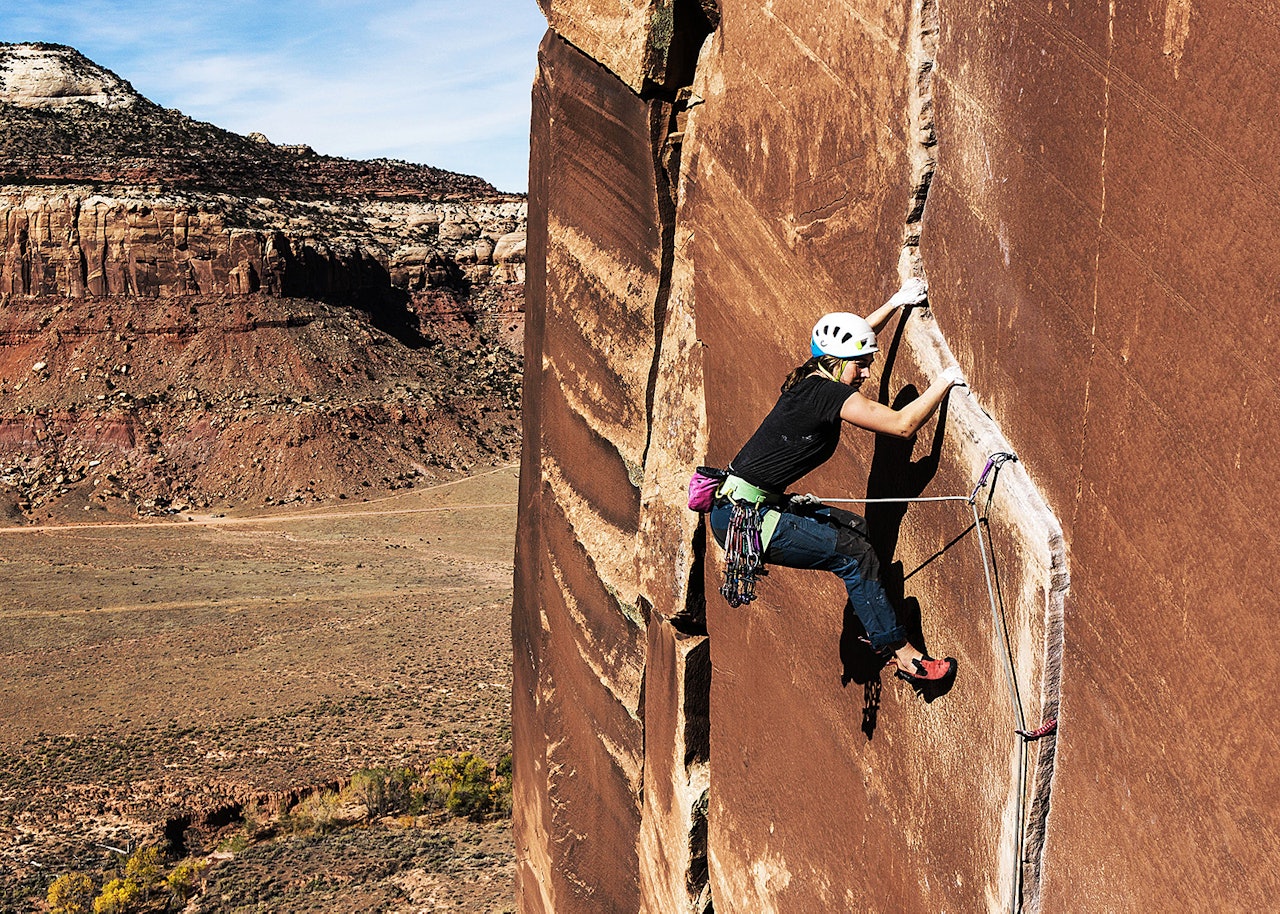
x=259 y=419
x=166 y=678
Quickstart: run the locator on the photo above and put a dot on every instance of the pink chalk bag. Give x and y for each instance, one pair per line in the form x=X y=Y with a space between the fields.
x=703 y=486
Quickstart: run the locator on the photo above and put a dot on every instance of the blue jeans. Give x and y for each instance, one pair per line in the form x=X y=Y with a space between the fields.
x=820 y=539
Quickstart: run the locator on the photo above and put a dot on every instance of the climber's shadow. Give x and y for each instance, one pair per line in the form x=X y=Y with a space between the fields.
x=861 y=665
x=893 y=474
x=860 y=661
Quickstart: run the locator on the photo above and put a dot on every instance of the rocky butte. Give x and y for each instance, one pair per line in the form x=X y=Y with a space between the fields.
x=1089 y=191
x=190 y=317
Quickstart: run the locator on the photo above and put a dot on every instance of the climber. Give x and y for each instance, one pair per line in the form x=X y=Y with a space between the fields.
x=762 y=524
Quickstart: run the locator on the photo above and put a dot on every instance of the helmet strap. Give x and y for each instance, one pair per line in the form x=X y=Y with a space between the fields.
x=822 y=369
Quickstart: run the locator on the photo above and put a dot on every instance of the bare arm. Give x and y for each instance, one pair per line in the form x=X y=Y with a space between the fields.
x=913 y=292
x=875 y=417
x=879 y=317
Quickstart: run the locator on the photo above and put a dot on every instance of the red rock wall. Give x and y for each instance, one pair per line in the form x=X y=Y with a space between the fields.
x=763 y=765
x=579 y=627
x=1099 y=182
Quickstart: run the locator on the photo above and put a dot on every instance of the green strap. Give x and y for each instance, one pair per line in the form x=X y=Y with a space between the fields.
x=738 y=489
x=768 y=524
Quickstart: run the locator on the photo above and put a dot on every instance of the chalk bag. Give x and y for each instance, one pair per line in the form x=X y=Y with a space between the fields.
x=743 y=554
x=703 y=486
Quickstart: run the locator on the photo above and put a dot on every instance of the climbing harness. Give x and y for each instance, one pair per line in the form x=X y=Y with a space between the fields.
x=751 y=525
x=737 y=489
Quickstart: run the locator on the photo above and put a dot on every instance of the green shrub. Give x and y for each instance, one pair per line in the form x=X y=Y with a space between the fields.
x=119 y=896
x=463 y=784
x=70 y=894
x=382 y=792
x=234 y=844
x=183 y=880
x=143 y=868
x=317 y=813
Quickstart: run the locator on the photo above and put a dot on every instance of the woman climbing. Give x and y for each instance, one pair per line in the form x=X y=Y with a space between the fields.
x=756 y=522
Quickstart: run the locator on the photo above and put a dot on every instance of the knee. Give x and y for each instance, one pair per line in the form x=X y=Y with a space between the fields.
x=859 y=550
x=847 y=567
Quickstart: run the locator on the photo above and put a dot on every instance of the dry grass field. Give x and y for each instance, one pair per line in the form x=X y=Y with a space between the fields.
x=162 y=674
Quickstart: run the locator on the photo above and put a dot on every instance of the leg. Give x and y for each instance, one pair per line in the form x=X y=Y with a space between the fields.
x=810 y=542
x=718 y=521
x=836 y=541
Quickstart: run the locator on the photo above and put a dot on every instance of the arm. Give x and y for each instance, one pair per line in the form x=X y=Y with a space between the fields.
x=913 y=292
x=875 y=417
x=879 y=317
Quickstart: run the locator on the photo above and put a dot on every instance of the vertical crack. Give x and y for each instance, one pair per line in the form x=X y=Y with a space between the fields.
x=670 y=98
x=921 y=52
x=1037 y=819
x=692 y=22
x=1032 y=788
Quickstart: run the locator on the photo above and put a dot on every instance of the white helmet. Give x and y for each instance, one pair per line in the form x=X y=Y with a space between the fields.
x=843 y=335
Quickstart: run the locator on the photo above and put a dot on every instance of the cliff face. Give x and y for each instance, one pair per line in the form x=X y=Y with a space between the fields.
x=69 y=241
x=52 y=76
x=726 y=176
x=204 y=296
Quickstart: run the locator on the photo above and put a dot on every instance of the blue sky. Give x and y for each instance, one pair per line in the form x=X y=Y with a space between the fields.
x=439 y=82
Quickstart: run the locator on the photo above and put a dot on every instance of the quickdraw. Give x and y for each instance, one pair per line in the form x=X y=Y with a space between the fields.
x=743 y=555
x=994 y=462
x=1049 y=726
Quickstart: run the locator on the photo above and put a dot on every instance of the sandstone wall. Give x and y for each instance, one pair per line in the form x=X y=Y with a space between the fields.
x=1092 y=222
x=674 y=754
x=581 y=633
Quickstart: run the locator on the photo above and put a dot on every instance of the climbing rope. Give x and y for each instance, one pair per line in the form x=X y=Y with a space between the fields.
x=992 y=469
x=987 y=479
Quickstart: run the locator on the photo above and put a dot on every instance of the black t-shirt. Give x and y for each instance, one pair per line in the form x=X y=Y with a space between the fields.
x=799 y=434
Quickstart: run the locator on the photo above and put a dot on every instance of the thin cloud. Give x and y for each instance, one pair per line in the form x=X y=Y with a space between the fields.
x=434 y=82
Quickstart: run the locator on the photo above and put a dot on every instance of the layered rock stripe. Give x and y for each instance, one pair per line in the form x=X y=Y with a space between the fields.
x=1089 y=174
x=80 y=244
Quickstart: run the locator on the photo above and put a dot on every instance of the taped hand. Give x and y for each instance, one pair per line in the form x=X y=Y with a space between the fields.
x=954 y=376
x=913 y=292
x=805 y=499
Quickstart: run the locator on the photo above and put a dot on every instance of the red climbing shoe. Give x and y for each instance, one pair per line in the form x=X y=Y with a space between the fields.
x=928 y=670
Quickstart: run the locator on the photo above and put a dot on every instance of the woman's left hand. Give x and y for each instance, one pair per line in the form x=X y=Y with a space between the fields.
x=954 y=376
x=913 y=292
